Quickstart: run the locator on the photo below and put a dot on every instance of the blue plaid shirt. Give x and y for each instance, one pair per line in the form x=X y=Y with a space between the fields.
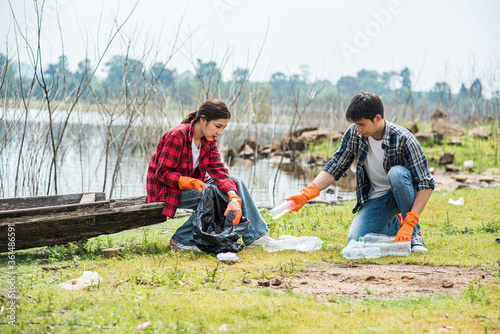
x=401 y=149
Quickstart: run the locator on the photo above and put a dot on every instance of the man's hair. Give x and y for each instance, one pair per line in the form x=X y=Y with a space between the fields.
x=364 y=105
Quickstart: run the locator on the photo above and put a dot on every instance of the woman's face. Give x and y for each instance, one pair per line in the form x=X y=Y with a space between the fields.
x=213 y=129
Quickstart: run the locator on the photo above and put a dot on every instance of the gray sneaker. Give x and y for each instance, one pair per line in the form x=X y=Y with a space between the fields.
x=181 y=247
x=417 y=243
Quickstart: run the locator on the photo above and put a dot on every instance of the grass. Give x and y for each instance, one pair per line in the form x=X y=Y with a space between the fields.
x=182 y=292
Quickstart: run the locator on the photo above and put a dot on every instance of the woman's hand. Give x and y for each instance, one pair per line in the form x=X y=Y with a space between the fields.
x=234 y=206
x=190 y=183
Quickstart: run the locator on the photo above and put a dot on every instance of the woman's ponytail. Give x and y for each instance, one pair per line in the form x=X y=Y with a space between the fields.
x=210 y=110
x=189 y=117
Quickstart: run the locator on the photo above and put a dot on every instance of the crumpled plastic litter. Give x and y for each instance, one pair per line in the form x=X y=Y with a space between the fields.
x=459 y=201
x=87 y=279
x=227 y=256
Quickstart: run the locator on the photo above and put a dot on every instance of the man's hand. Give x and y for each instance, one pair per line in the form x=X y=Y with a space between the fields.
x=190 y=183
x=236 y=206
x=406 y=230
x=306 y=194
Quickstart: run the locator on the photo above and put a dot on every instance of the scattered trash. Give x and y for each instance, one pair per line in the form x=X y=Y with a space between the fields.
x=281 y=209
x=301 y=244
x=446 y=328
x=223 y=328
x=373 y=245
x=497 y=239
x=142 y=327
x=468 y=164
x=459 y=201
x=87 y=279
x=227 y=256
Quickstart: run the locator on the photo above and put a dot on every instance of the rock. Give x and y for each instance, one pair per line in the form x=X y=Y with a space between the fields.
x=455 y=142
x=367 y=277
x=487 y=179
x=492 y=171
x=299 y=132
x=250 y=142
x=246 y=280
x=43 y=261
x=412 y=127
x=111 y=252
x=247 y=152
x=263 y=282
x=265 y=151
x=9 y=295
x=446 y=128
x=424 y=136
x=479 y=132
x=307 y=158
x=276 y=146
x=293 y=143
x=438 y=114
x=336 y=135
x=314 y=136
x=452 y=168
x=276 y=281
x=447 y=158
x=460 y=178
x=231 y=154
x=448 y=284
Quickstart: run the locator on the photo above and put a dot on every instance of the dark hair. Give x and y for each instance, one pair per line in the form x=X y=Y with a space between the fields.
x=211 y=110
x=364 y=105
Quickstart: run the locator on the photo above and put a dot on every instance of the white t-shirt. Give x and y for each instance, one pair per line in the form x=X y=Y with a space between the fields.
x=374 y=166
x=196 y=155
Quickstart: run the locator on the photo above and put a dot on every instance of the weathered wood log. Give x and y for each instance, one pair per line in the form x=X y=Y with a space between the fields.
x=73 y=222
x=41 y=201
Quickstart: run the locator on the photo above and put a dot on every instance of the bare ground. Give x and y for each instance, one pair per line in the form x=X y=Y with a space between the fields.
x=359 y=281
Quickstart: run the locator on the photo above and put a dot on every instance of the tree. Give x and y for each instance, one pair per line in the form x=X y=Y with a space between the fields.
x=476 y=90
x=278 y=81
x=240 y=75
x=348 y=86
x=405 y=75
x=440 y=94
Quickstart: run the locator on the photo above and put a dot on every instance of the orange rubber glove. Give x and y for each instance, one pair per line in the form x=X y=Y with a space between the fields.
x=236 y=206
x=406 y=230
x=190 y=183
x=306 y=194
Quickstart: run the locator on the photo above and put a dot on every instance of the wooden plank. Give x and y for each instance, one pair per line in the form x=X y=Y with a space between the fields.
x=87 y=198
x=52 y=210
x=49 y=231
x=41 y=201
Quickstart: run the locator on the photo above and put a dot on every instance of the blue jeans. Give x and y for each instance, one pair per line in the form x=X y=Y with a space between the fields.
x=190 y=199
x=379 y=215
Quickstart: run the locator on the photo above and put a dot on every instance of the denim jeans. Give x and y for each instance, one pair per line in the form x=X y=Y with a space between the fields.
x=190 y=199
x=379 y=215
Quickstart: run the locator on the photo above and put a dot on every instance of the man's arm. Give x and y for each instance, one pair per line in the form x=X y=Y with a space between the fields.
x=421 y=200
x=324 y=179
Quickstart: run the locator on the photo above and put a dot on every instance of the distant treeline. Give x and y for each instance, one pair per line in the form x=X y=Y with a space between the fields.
x=131 y=77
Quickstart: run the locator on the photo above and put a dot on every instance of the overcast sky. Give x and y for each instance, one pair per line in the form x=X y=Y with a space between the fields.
x=453 y=41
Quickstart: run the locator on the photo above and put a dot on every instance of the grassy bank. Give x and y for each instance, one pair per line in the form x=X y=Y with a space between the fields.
x=194 y=293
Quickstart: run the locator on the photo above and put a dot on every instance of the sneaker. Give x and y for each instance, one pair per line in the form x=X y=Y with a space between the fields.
x=262 y=241
x=181 y=247
x=417 y=243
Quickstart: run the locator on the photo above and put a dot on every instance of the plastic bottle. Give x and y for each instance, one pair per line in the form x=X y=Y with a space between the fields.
x=281 y=209
x=361 y=253
x=374 y=237
x=231 y=213
x=301 y=244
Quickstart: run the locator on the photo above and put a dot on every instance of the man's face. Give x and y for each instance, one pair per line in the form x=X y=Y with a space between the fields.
x=367 y=127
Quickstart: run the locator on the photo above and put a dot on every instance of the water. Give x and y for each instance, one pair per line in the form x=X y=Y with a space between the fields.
x=82 y=166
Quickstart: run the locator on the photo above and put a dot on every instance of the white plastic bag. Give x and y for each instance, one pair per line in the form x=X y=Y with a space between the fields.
x=87 y=279
x=459 y=201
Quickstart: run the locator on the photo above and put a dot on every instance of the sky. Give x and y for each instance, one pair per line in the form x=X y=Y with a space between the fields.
x=452 y=41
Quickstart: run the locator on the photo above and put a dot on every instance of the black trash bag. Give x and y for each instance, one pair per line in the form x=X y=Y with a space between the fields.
x=212 y=231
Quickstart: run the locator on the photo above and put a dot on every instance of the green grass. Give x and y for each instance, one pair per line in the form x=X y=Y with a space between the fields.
x=181 y=292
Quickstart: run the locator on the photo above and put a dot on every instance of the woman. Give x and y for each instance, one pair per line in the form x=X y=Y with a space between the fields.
x=177 y=174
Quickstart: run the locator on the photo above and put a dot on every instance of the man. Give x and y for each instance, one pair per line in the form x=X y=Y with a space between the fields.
x=392 y=176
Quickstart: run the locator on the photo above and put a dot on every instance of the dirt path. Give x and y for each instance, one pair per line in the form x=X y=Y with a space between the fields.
x=359 y=281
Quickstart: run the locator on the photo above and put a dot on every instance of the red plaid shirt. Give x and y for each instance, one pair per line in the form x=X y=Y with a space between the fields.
x=174 y=158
